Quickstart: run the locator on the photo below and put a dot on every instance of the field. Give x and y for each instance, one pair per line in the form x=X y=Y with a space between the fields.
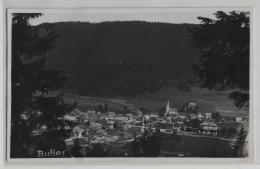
x=208 y=101
x=196 y=147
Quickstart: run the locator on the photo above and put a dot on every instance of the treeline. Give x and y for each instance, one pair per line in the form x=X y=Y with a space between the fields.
x=123 y=58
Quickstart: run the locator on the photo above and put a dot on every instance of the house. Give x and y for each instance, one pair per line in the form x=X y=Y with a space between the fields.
x=101 y=132
x=67 y=127
x=181 y=117
x=239 y=119
x=200 y=116
x=126 y=126
x=166 y=131
x=111 y=122
x=139 y=114
x=91 y=111
x=146 y=118
x=76 y=111
x=43 y=127
x=179 y=122
x=192 y=105
x=82 y=117
x=119 y=115
x=104 y=122
x=95 y=126
x=25 y=115
x=209 y=126
x=154 y=115
x=122 y=118
x=109 y=139
x=70 y=117
x=129 y=115
x=193 y=116
x=111 y=114
x=208 y=115
x=77 y=131
x=115 y=138
x=169 y=118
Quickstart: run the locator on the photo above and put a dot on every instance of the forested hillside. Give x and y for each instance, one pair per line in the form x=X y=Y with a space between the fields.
x=123 y=58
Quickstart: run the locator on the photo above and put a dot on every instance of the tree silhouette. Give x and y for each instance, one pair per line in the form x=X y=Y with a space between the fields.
x=189 y=109
x=238 y=149
x=35 y=102
x=223 y=44
x=162 y=111
x=76 y=149
x=148 y=145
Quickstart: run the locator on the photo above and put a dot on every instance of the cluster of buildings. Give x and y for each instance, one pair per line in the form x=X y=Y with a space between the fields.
x=92 y=126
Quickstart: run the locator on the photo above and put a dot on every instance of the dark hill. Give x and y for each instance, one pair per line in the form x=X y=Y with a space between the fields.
x=123 y=58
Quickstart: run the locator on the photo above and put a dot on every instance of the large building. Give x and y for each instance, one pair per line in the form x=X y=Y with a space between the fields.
x=170 y=111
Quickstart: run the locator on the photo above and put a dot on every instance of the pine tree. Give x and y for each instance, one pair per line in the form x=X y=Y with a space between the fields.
x=223 y=44
x=33 y=105
x=240 y=143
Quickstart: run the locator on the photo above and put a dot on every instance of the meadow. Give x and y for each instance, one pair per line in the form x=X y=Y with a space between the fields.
x=208 y=101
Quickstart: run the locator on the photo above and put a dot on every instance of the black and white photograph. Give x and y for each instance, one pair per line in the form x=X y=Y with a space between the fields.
x=133 y=82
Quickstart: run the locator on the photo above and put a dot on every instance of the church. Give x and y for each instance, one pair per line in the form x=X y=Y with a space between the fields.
x=170 y=111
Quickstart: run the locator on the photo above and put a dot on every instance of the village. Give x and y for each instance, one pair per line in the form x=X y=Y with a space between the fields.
x=94 y=127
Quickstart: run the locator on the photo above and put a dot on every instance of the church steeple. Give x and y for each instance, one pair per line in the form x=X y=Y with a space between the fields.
x=167 y=108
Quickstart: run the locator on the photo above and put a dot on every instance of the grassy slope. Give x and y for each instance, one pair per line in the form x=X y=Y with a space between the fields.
x=209 y=101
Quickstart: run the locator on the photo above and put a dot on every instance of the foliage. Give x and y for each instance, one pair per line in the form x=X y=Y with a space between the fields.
x=214 y=151
x=76 y=149
x=146 y=146
x=128 y=58
x=99 y=151
x=195 y=123
x=103 y=108
x=223 y=44
x=228 y=132
x=34 y=102
x=216 y=116
x=116 y=124
x=188 y=108
x=184 y=86
x=240 y=143
x=162 y=111
x=144 y=110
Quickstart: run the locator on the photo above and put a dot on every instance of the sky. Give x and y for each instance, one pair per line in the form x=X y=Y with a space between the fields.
x=166 y=15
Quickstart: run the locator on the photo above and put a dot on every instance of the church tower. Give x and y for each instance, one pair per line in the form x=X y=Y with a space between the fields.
x=167 y=108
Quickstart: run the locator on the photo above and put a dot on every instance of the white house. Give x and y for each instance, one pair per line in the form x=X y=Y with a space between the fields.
x=146 y=117
x=122 y=118
x=166 y=131
x=208 y=115
x=200 y=116
x=77 y=131
x=192 y=116
x=70 y=117
x=182 y=117
x=139 y=114
x=209 y=126
x=91 y=111
x=239 y=119
x=111 y=114
x=154 y=115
